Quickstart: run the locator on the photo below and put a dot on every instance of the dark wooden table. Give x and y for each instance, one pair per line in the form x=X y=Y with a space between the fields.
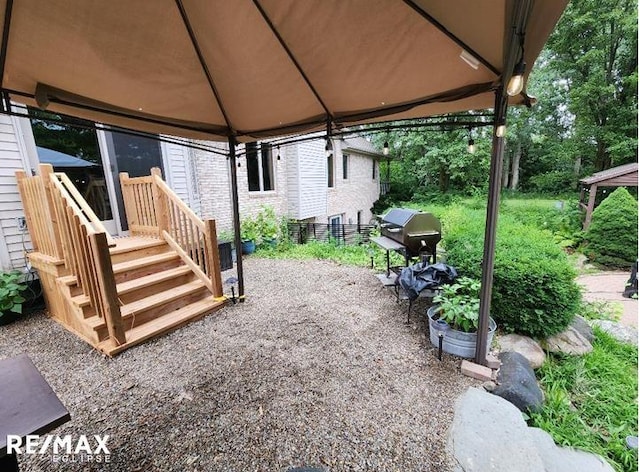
x=28 y=405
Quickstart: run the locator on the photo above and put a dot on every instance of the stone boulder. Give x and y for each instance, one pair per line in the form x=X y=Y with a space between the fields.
x=517 y=383
x=625 y=334
x=524 y=345
x=570 y=341
x=489 y=434
x=582 y=327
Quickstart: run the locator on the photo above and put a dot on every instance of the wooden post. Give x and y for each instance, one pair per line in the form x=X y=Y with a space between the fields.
x=107 y=287
x=213 y=257
x=160 y=202
x=593 y=190
x=21 y=178
x=46 y=171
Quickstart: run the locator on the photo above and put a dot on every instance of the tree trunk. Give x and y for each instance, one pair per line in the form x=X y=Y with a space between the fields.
x=505 y=171
x=443 y=179
x=603 y=160
x=515 y=167
x=577 y=166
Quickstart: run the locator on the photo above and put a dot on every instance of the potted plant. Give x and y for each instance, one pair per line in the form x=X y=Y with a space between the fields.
x=458 y=305
x=11 y=299
x=249 y=234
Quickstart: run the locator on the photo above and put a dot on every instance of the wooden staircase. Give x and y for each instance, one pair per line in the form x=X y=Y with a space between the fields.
x=116 y=293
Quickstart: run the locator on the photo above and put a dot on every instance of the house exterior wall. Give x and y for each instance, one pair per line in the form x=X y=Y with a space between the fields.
x=14 y=155
x=213 y=180
x=179 y=168
x=301 y=191
x=357 y=193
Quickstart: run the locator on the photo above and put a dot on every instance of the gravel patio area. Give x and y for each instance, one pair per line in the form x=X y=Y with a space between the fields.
x=317 y=368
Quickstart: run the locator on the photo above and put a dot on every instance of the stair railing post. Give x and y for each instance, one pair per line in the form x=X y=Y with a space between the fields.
x=107 y=287
x=213 y=256
x=46 y=172
x=160 y=203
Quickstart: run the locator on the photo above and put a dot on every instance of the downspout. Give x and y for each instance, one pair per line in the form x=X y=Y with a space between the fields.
x=236 y=216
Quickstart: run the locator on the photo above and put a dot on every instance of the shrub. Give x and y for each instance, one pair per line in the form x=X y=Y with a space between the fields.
x=613 y=233
x=534 y=291
x=11 y=290
x=551 y=182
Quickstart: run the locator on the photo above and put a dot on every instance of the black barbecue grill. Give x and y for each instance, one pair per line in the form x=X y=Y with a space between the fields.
x=412 y=233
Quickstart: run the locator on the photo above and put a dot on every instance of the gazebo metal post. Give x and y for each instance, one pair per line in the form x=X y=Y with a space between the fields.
x=488 y=258
x=236 y=216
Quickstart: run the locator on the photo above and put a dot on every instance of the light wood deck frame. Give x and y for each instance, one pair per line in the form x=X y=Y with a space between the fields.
x=74 y=258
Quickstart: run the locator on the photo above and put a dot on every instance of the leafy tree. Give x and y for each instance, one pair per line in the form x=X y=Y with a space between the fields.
x=595 y=49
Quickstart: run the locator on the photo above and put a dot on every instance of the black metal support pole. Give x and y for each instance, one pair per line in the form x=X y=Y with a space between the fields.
x=440 y=338
x=236 y=215
x=488 y=258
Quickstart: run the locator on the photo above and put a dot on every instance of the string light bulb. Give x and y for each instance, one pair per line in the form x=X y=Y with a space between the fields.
x=471 y=146
x=385 y=148
x=501 y=131
x=516 y=83
x=328 y=147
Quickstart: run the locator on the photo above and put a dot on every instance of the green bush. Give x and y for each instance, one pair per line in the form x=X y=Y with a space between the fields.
x=534 y=291
x=11 y=290
x=613 y=234
x=550 y=182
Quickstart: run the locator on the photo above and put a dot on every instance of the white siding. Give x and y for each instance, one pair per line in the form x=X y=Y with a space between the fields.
x=312 y=168
x=179 y=174
x=290 y=155
x=12 y=158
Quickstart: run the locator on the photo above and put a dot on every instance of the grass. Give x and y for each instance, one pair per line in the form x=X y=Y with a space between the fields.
x=357 y=255
x=591 y=401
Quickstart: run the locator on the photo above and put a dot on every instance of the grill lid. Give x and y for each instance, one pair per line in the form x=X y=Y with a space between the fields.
x=399 y=216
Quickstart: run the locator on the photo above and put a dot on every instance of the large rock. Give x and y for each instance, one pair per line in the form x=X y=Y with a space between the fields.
x=524 y=345
x=582 y=327
x=489 y=434
x=563 y=459
x=570 y=341
x=517 y=383
x=625 y=334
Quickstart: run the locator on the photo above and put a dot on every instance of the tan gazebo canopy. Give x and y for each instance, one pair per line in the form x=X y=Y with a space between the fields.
x=240 y=70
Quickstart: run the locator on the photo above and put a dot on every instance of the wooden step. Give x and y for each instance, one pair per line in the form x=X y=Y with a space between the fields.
x=129 y=249
x=153 y=283
x=156 y=305
x=133 y=269
x=160 y=299
x=163 y=324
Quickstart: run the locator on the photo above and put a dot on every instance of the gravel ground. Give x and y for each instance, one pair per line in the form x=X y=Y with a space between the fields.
x=317 y=368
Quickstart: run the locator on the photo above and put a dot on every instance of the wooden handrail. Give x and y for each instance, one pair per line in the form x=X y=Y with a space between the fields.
x=86 y=254
x=83 y=206
x=153 y=208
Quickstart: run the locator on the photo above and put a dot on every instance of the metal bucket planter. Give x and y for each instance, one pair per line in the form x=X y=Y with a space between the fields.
x=457 y=342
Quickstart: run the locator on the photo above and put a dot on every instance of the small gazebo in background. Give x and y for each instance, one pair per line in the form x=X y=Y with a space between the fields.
x=621 y=176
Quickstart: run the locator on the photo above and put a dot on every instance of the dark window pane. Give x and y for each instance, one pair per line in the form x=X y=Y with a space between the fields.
x=345 y=167
x=330 y=170
x=253 y=173
x=373 y=169
x=267 y=167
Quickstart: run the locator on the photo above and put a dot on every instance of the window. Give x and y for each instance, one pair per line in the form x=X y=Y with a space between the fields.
x=373 y=169
x=330 y=183
x=259 y=167
x=345 y=167
x=335 y=226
